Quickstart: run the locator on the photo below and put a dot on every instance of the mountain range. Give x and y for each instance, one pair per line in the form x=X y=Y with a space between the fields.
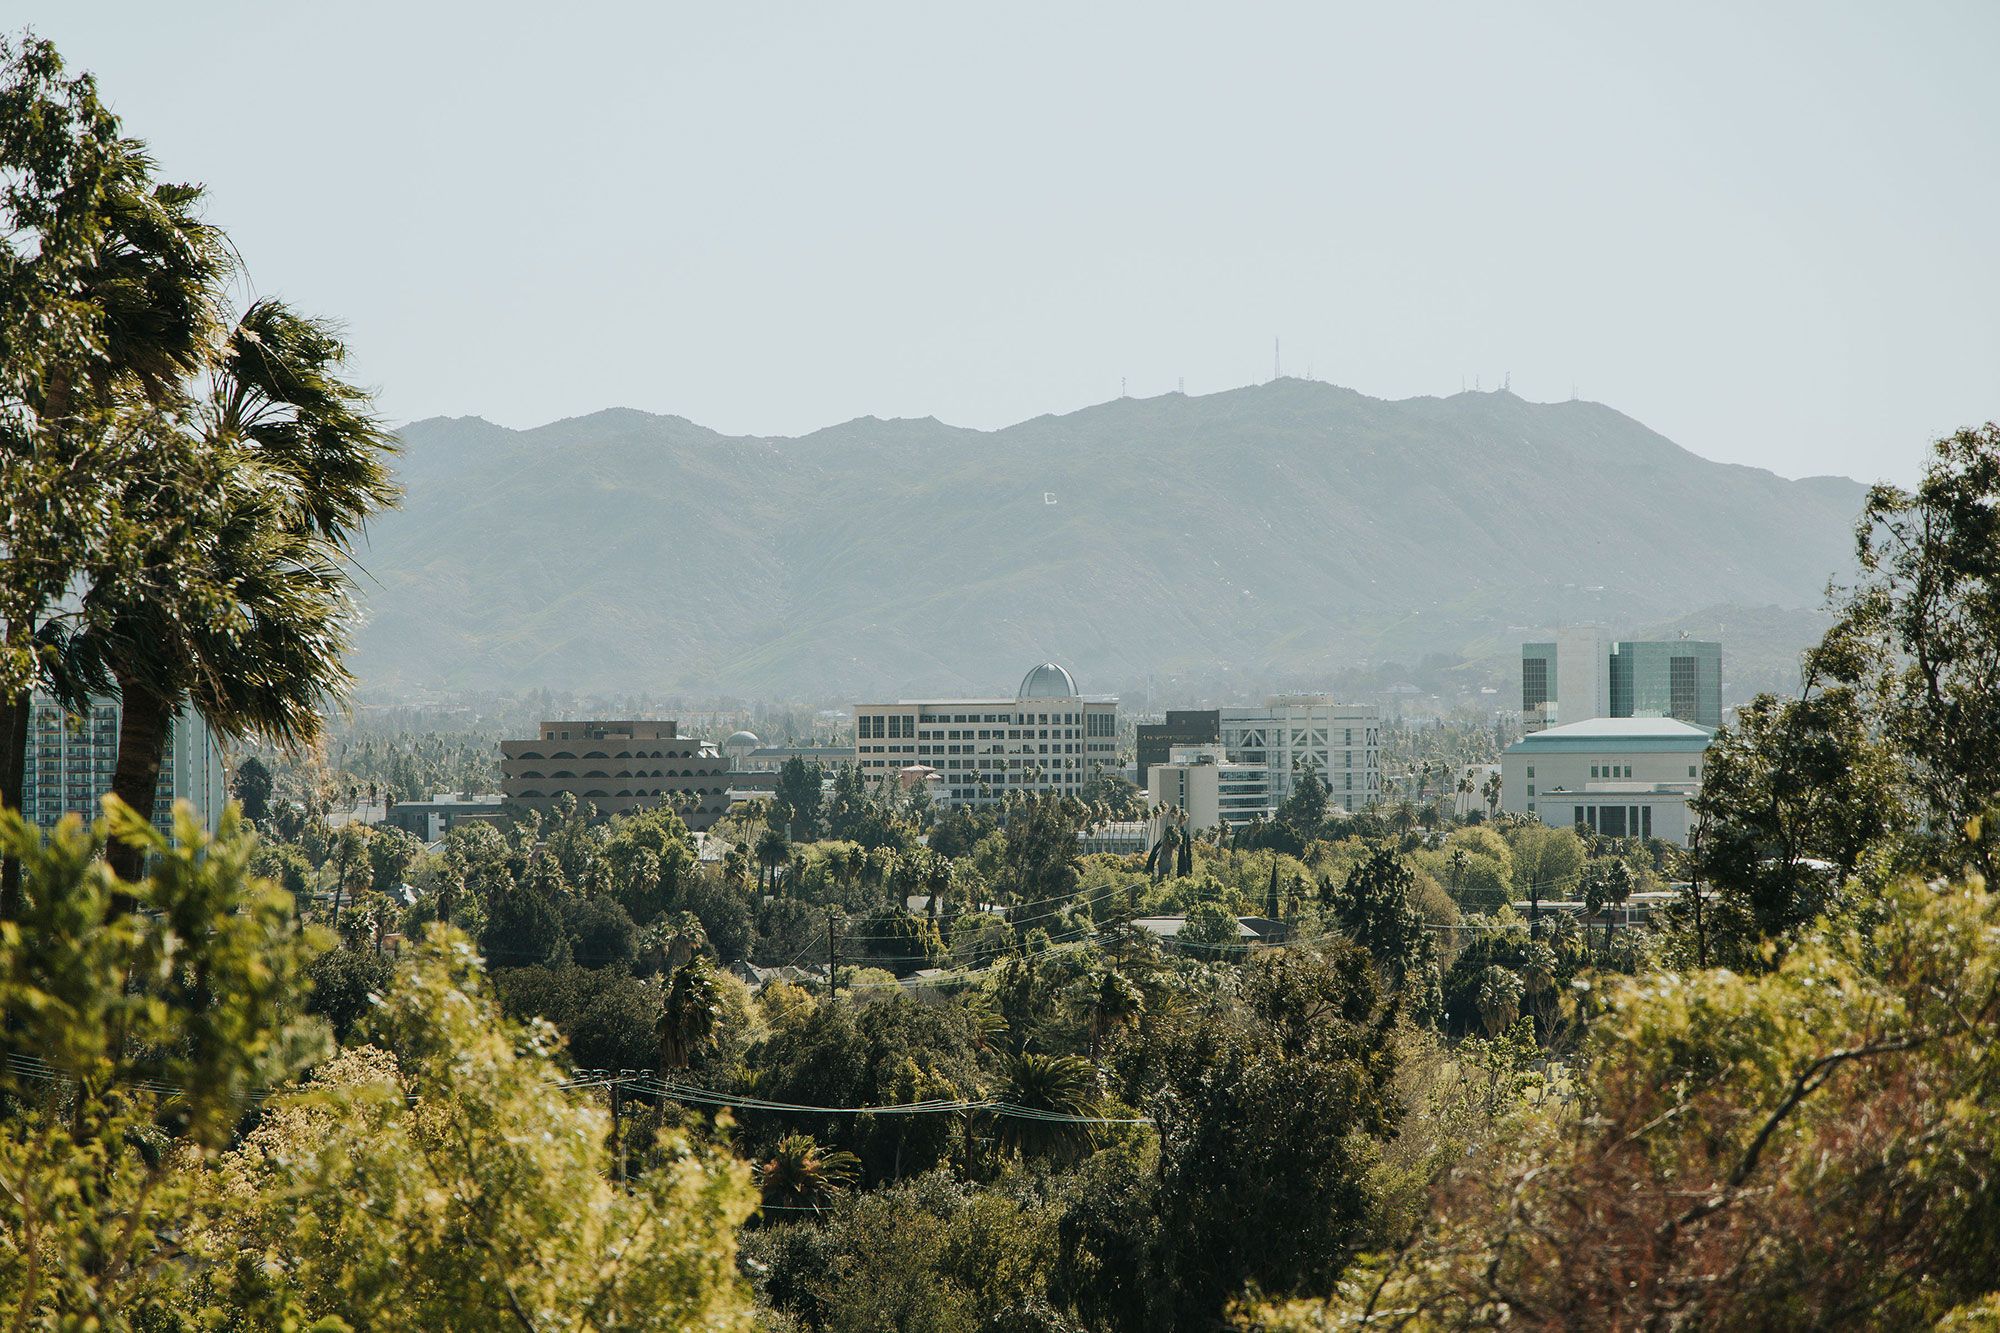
x=1261 y=538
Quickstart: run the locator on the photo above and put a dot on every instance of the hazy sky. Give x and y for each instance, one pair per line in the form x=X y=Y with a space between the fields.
x=1766 y=230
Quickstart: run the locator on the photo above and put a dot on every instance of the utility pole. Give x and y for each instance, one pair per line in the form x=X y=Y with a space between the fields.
x=832 y=959
x=617 y=1140
x=1694 y=890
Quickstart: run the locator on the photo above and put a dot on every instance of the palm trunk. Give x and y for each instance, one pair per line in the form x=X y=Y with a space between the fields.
x=13 y=792
x=142 y=739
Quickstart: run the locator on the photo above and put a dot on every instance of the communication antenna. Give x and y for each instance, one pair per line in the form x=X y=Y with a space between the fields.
x=1277 y=363
x=1180 y=384
x=1121 y=386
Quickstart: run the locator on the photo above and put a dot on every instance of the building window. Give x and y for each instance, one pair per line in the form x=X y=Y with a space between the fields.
x=1534 y=683
x=1681 y=691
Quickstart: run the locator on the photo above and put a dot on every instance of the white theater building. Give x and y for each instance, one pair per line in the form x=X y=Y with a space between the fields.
x=1622 y=777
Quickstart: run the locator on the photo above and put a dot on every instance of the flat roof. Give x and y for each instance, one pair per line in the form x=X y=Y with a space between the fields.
x=1625 y=733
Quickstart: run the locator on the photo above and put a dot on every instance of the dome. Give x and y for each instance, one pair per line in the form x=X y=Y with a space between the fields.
x=747 y=739
x=1048 y=681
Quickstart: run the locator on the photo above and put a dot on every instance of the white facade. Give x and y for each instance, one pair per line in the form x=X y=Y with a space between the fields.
x=1215 y=792
x=1343 y=741
x=1583 y=673
x=1047 y=739
x=1620 y=777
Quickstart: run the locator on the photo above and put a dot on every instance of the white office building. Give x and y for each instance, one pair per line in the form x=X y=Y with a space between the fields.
x=1213 y=790
x=1048 y=738
x=1343 y=741
x=1619 y=777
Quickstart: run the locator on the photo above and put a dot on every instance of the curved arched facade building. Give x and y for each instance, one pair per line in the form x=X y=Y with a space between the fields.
x=617 y=767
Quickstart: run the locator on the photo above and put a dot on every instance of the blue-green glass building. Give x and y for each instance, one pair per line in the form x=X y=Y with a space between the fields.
x=1676 y=678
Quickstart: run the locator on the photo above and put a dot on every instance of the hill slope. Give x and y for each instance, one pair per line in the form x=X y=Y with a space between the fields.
x=1267 y=534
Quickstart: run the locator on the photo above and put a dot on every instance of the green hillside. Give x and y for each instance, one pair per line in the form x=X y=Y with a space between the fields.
x=1271 y=533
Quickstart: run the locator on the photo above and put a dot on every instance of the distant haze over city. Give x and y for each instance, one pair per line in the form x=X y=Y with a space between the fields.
x=1765 y=231
x=1278 y=536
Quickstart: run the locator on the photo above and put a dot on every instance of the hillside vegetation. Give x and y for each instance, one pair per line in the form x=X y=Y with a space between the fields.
x=1269 y=534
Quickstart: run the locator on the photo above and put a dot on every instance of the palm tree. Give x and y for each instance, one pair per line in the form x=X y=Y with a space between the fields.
x=285 y=464
x=1403 y=818
x=670 y=942
x=685 y=1029
x=801 y=1174
x=112 y=300
x=1115 y=1003
x=1492 y=794
x=1051 y=1085
x=772 y=850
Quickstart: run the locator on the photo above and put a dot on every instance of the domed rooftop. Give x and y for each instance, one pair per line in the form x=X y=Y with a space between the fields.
x=748 y=738
x=1048 y=681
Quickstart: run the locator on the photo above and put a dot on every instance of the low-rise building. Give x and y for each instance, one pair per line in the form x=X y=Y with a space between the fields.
x=1118 y=837
x=1619 y=777
x=771 y=758
x=434 y=817
x=617 y=767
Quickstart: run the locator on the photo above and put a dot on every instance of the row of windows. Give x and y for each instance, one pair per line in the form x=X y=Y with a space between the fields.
x=681 y=753
x=891 y=726
x=1053 y=747
x=1616 y=821
x=534 y=794
x=1054 y=762
x=600 y=773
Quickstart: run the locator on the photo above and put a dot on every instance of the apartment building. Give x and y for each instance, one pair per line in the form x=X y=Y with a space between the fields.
x=1582 y=674
x=72 y=757
x=1048 y=738
x=1342 y=741
x=618 y=767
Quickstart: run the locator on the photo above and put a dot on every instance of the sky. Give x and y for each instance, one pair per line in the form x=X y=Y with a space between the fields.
x=1765 y=231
